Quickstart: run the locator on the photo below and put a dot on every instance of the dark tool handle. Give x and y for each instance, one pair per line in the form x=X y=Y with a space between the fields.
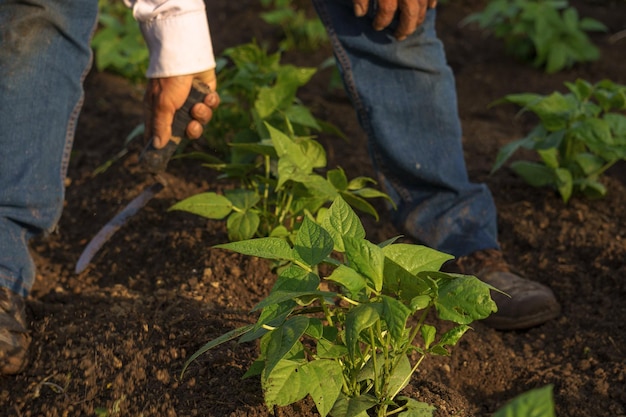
x=155 y=160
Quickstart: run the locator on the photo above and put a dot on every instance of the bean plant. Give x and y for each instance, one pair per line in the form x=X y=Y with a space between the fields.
x=118 y=44
x=548 y=33
x=300 y=31
x=579 y=136
x=280 y=168
x=346 y=321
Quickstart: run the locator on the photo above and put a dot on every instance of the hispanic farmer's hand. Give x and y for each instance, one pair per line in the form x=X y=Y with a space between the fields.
x=166 y=95
x=411 y=14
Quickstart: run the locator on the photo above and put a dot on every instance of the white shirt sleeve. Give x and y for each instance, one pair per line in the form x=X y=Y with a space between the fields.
x=177 y=35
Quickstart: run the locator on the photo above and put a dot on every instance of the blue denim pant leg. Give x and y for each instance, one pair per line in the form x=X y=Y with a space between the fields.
x=44 y=56
x=405 y=98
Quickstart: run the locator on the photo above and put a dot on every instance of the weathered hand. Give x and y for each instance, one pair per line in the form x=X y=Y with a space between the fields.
x=166 y=95
x=411 y=14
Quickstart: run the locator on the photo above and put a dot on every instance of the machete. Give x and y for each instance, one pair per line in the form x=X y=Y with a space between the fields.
x=153 y=161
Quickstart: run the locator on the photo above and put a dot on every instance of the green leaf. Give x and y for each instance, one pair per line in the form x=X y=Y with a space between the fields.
x=330 y=350
x=533 y=173
x=209 y=205
x=301 y=115
x=242 y=199
x=337 y=177
x=349 y=279
x=449 y=338
x=565 y=183
x=283 y=339
x=367 y=259
x=339 y=221
x=550 y=157
x=534 y=403
x=395 y=314
x=416 y=408
x=242 y=225
x=313 y=244
x=353 y=406
x=325 y=380
x=464 y=300
x=359 y=203
x=358 y=319
x=265 y=247
x=294 y=278
x=428 y=334
x=554 y=110
x=416 y=258
x=589 y=163
x=285 y=385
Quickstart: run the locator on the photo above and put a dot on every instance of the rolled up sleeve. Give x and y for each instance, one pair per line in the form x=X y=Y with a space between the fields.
x=177 y=34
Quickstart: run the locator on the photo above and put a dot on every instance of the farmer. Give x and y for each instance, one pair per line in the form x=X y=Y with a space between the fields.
x=394 y=70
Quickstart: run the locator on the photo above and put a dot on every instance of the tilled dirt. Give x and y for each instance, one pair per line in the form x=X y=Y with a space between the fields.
x=112 y=340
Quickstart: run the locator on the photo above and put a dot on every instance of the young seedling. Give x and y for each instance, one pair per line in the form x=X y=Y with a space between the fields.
x=580 y=135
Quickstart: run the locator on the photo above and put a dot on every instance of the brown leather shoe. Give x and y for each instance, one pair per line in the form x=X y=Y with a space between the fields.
x=14 y=337
x=524 y=303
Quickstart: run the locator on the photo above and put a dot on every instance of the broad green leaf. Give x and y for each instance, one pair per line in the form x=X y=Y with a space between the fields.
x=283 y=339
x=285 y=385
x=592 y=131
x=298 y=114
x=242 y=225
x=265 y=247
x=367 y=259
x=294 y=278
x=284 y=145
x=359 y=203
x=313 y=244
x=400 y=376
x=591 y=188
x=464 y=300
x=339 y=221
x=550 y=157
x=358 y=319
x=400 y=283
x=337 y=177
x=243 y=199
x=533 y=173
x=325 y=380
x=349 y=279
x=534 y=403
x=395 y=314
x=416 y=408
x=353 y=406
x=416 y=258
x=330 y=350
x=320 y=187
x=580 y=88
x=554 y=110
x=209 y=205
x=617 y=124
x=589 y=163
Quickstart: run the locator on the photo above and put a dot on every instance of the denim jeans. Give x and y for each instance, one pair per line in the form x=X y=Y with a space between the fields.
x=44 y=56
x=405 y=97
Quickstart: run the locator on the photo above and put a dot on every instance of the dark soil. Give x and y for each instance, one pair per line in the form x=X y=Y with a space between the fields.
x=112 y=340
